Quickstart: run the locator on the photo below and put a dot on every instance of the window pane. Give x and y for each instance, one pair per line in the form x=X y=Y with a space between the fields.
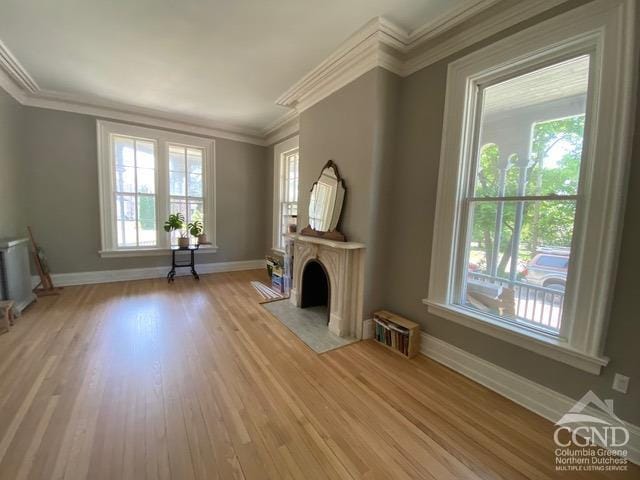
x=146 y=180
x=177 y=183
x=126 y=220
x=123 y=151
x=145 y=154
x=503 y=274
x=195 y=211
x=125 y=179
x=147 y=220
x=176 y=159
x=194 y=160
x=177 y=206
x=531 y=132
x=289 y=193
x=195 y=185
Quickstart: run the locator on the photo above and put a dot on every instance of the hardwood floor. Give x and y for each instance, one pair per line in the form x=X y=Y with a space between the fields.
x=142 y=379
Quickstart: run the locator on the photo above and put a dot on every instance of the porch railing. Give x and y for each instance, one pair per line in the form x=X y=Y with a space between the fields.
x=533 y=304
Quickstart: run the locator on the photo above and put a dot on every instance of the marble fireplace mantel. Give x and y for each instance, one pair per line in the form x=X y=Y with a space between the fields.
x=344 y=265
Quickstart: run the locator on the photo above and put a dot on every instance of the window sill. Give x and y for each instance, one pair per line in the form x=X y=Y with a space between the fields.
x=149 y=252
x=548 y=346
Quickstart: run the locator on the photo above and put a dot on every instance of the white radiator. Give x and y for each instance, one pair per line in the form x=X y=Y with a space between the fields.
x=15 y=274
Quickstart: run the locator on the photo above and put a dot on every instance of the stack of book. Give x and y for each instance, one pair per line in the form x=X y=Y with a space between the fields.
x=392 y=335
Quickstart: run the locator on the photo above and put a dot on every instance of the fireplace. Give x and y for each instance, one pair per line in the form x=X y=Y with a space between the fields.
x=330 y=273
x=315 y=286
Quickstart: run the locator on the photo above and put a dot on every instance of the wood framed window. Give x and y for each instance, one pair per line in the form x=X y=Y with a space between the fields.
x=144 y=175
x=285 y=188
x=535 y=147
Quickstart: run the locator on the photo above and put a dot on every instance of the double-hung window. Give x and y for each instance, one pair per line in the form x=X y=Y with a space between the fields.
x=146 y=174
x=285 y=207
x=186 y=184
x=531 y=176
x=134 y=191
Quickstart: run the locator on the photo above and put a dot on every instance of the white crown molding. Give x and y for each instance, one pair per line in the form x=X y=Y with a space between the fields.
x=16 y=81
x=143 y=116
x=379 y=43
x=500 y=21
x=284 y=126
x=9 y=85
x=531 y=395
x=16 y=71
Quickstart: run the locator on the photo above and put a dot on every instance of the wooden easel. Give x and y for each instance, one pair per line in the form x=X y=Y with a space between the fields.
x=45 y=287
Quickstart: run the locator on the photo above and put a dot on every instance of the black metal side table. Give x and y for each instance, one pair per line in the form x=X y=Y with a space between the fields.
x=192 y=264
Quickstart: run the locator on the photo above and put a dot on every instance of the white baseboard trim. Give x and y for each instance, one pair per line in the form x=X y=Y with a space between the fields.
x=105 y=276
x=535 y=397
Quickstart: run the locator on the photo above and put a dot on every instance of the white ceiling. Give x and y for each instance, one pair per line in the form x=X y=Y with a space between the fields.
x=220 y=60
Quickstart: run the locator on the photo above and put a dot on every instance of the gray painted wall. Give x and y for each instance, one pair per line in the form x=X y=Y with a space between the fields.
x=341 y=128
x=391 y=183
x=355 y=127
x=12 y=222
x=61 y=168
x=411 y=232
x=390 y=206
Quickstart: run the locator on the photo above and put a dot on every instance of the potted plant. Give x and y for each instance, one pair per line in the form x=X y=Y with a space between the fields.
x=176 y=222
x=197 y=230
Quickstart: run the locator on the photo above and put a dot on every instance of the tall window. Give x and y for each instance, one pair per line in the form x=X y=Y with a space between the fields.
x=286 y=164
x=186 y=184
x=134 y=191
x=146 y=174
x=522 y=201
x=531 y=174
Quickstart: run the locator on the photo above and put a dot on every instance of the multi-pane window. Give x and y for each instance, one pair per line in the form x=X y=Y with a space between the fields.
x=535 y=147
x=146 y=175
x=134 y=191
x=287 y=159
x=289 y=198
x=523 y=198
x=186 y=183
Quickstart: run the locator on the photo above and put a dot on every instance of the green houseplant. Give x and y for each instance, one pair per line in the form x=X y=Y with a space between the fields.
x=196 y=229
x=176 y=222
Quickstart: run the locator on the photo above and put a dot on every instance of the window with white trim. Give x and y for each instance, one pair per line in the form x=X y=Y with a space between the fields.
x=286 y=165
x=146 y=174
x=531 y=173
x=522 y=195
x=186 y=184
x=134 y=191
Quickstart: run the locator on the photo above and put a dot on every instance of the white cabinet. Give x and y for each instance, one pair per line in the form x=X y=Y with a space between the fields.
x=15 y=273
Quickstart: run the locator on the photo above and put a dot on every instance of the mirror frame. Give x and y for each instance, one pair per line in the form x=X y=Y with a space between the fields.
x=332 y=234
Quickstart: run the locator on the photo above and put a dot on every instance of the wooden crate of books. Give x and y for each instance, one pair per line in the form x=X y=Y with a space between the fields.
x=396 y=333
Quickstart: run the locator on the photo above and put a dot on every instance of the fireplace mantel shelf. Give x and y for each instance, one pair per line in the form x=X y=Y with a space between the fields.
x=328 y=243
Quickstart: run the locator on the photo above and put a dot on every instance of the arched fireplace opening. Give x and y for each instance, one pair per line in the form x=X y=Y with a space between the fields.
x=315 y=286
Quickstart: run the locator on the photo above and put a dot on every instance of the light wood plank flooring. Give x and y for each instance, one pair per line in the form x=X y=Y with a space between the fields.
x=142 y=379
